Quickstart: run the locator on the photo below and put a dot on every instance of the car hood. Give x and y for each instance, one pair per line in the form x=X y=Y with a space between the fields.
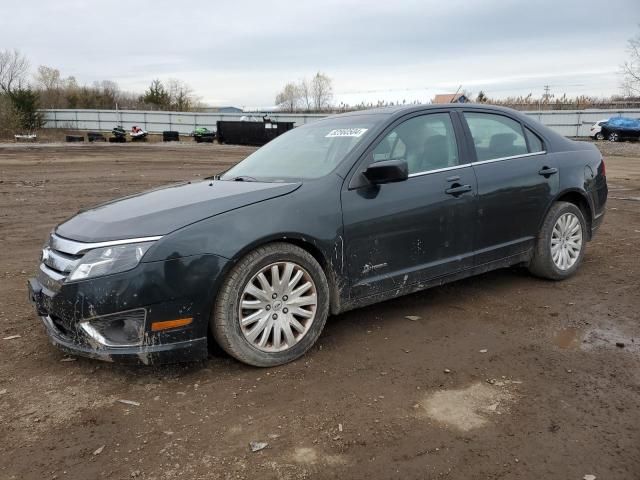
x=163 y=210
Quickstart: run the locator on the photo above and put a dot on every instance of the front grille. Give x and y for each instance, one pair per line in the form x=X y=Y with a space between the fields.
x=60 y=262
x=59 y=258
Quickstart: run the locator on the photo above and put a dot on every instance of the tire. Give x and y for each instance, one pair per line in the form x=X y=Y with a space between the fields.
x=544 y=263
x=599 y=136
x=225 y=322
x=96 y=137
x=614 y=137
x=170 y=136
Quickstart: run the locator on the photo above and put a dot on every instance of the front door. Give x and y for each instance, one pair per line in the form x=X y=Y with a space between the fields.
x=404 y=233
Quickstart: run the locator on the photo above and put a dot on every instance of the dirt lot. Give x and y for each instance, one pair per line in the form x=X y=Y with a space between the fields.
x=502 y=376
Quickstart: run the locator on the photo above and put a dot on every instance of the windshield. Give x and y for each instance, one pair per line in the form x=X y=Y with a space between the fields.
x=309 y=151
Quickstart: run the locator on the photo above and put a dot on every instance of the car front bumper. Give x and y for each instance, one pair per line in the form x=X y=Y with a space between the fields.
x=177 y=352
x=154 y=293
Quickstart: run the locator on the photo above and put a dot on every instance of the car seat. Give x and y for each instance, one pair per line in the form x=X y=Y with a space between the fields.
x=501 y=145
x=436 y=153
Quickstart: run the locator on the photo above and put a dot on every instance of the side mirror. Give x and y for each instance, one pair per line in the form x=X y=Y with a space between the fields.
x=388 y=171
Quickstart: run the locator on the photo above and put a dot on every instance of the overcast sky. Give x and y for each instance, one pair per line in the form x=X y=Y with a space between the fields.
x=242 y=52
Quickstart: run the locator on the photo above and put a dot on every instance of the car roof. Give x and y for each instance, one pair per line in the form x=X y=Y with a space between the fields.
x=387 y=115
x=401 y=110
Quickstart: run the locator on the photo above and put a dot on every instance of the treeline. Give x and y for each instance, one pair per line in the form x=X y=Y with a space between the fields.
x=313 y=95
x=18 y=101
x=523 y=102
x=57 y=92
x=23 y=93
x=549 y=101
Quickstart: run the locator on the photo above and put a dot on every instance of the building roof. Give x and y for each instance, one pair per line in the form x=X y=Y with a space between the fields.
x=450 y=98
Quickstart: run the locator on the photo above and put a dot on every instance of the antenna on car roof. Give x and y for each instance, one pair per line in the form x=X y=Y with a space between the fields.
x=455 y=94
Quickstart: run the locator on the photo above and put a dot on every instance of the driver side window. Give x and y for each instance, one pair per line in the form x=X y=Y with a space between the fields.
x=426 y=143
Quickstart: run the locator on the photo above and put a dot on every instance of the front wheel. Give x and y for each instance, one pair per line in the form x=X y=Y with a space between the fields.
x=561 y=243
x=272 y=306
x=599 y=136
x=614 y=137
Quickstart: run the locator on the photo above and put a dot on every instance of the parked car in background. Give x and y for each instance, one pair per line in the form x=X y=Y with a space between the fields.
x=621 y=128
x=340 y=213
x=595 y=131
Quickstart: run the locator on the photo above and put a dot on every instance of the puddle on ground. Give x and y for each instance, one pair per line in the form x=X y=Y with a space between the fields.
x=600 y=338
x=568 y=338
x=571 y=338
x=468 y=408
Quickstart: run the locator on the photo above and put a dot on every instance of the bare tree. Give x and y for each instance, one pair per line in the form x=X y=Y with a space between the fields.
x=13 y=70
x=70 y=83
x=47 y=78
x=48 y=81
x=181 y=96
x=631 y=68
x=110 y=91
x=289 y=98
x=322 y=91
x=306 y=95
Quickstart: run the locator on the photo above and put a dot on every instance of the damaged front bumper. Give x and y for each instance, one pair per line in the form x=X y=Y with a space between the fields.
x=156 y=313
x=184 y=351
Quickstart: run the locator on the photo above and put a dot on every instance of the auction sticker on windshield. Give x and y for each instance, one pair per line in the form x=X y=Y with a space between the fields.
x=346 y=132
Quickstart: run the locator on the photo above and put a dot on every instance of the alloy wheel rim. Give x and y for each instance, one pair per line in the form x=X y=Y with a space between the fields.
x=277 y=307
x=566 y=241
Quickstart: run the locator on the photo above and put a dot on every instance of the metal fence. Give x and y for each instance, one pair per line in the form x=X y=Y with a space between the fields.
x=154 y=121
x=576 y=123
x=571 y=123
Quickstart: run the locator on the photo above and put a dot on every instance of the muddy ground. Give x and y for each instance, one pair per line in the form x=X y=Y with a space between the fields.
x=501 y=376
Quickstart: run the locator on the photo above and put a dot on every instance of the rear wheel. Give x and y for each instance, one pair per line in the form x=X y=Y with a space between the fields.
x=272 y=306
x=560 y=246
x=614 y=137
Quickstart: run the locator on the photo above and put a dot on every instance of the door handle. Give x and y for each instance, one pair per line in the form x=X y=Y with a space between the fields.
x=458 y=189
x=547 y=171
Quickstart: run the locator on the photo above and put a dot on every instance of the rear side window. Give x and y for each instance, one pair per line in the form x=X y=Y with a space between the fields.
x=535 y=144
x=495 y=136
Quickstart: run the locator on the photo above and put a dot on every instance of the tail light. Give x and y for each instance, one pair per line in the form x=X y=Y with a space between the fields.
x=604 y=168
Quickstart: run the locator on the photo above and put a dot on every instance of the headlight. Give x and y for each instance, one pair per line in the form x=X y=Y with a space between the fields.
x=109 y=260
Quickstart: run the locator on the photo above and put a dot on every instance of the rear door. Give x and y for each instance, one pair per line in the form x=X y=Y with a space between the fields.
x=517 y=181
x=399 y=234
